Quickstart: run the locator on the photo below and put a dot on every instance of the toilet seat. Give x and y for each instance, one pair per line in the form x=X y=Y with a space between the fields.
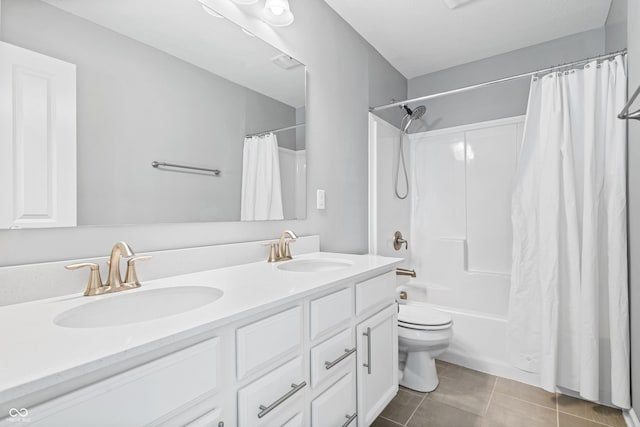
x=422 y=317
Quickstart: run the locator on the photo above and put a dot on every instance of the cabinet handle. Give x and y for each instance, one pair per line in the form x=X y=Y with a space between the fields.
x=347 y=353
x=350 y=418
x=264 y=410
x=368 y=364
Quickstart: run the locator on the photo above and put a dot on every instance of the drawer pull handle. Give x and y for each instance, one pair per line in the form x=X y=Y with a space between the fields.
x=368 y=364
x=349 y=418
x=347 y=353
x=264 y=410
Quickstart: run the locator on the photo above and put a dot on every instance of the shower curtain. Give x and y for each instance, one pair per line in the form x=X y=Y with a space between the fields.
x=568 y=311
x=261 y=197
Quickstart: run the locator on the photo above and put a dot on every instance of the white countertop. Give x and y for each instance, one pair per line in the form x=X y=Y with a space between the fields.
x=35 y=353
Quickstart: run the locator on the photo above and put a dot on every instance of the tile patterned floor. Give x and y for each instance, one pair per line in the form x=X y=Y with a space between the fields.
x=467 y=398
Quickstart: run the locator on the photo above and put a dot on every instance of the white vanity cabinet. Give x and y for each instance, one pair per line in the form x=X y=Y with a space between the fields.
x=328 y=358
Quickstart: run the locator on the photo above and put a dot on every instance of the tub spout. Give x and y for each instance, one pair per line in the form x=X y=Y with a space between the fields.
x=405 y=272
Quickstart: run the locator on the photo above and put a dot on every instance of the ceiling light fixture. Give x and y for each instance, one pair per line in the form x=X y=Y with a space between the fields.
x=277 y=13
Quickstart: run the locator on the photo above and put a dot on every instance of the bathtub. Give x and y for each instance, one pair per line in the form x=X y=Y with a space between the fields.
x=479 y=339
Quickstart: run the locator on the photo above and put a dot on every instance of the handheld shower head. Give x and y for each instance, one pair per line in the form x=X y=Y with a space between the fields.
x=412 y=115
x=418 y=112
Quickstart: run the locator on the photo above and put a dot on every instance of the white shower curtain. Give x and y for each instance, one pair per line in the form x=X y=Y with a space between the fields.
x=261 y=197
x=568 y=312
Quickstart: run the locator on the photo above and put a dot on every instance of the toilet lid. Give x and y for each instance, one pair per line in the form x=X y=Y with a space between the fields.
x=422 y=315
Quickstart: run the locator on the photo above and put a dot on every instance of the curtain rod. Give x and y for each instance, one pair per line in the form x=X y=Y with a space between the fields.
x=494 y=82
x=266 y=132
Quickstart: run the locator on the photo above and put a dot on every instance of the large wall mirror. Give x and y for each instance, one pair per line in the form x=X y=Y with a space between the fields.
x=145 y=111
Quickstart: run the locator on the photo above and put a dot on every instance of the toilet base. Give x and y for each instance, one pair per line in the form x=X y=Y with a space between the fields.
x=419 y=372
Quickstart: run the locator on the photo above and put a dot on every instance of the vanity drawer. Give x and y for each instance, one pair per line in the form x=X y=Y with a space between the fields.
x=330 y=311
x=337 y=405
x=140 y=395
x=338 y=351
x=296 y=421
x=274 y=391
x=268 y=340
x=378 y=291
x=211 y=418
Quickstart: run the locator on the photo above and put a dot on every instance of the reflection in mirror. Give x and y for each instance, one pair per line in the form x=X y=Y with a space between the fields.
x=99 y=90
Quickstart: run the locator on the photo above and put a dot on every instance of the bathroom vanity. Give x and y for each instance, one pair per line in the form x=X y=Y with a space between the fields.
x=311 y=341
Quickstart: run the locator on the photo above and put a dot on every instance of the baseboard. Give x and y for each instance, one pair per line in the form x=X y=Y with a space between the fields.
x=631 y=418
x=493 y=367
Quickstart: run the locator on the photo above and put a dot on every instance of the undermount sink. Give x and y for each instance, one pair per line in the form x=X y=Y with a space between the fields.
x=315 y=265
x=140 y=306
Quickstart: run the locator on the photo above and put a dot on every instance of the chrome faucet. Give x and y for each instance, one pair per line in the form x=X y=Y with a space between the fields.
x=281 y=251
x=114 y=281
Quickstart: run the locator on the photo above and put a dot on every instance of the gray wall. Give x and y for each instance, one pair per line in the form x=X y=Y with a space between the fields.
x=634 y=202
x=384 y=94
x=504 y=100
x=340 y=84
x=616 y=26
x=615 y=36
x=137 y=104
x=264 y=113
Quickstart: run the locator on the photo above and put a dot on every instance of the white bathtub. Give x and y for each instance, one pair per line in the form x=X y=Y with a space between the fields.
x=479 y=339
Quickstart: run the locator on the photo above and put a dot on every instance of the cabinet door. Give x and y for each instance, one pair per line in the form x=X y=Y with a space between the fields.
x=37 y=140
x=377 y=363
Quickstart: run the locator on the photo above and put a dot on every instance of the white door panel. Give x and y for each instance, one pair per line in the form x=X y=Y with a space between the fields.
x=37 y=140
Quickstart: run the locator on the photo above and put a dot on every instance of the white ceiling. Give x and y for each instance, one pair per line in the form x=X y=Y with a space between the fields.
x=421 y=36
x=183 y=29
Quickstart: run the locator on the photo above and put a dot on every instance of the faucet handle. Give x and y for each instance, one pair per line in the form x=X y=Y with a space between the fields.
x=398 y=241
x=273 y=251
x=131 y=278
x=95 y=281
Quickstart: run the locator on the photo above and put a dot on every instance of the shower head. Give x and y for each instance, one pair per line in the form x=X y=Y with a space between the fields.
x=412 y=115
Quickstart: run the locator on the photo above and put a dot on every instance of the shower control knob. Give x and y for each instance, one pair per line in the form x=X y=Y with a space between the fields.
x=398 y=241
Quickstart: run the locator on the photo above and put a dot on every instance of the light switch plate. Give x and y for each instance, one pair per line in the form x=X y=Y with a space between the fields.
x=320 y=199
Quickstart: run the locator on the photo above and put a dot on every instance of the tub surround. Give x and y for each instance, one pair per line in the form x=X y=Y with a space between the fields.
x=40 y=356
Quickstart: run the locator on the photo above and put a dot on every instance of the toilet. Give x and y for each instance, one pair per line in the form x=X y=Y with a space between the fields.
x=424 y=333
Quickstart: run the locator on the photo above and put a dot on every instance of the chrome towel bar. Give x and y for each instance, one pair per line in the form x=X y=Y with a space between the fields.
x=156 y=164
